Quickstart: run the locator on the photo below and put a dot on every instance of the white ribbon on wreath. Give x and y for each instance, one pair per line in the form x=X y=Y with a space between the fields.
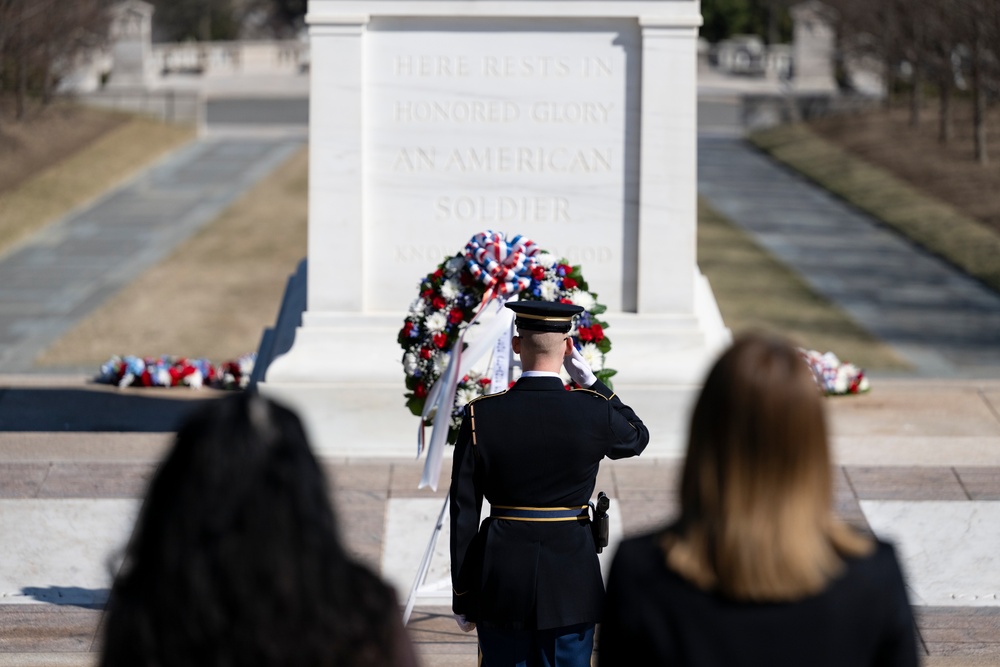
x=441 y=397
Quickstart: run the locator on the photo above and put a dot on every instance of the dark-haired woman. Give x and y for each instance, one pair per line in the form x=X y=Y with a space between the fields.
x=757 y=570
x=235 y=559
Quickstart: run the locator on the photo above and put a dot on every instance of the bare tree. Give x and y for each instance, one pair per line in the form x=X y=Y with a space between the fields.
x=40 y=39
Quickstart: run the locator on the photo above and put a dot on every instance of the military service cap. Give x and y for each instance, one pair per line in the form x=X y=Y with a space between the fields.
x=550 y=316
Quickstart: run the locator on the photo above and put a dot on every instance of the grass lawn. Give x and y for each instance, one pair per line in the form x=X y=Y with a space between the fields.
x=959 y=222
x=215 y=294
x=65 y=156
x=757 y=292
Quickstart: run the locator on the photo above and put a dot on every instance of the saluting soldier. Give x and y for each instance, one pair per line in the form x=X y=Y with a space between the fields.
x=529 y=577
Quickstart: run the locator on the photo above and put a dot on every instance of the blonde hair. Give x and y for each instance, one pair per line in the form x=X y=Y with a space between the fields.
x=756 y=489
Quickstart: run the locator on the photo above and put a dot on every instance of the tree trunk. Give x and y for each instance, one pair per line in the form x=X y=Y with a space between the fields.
x=22 y=88
x=772 y=23
x=916 y=84
x=916 y=76
x=979 y=102
x=944 y=120
x=890 y=80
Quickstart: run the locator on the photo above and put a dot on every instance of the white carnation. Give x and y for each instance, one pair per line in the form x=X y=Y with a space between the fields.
x=440 y=362
x=450 y=289
x=464 y=396
x=549 y=290
x=583 y=299
x=545 y=259
x=409 y=363
x=843 y=381
x=436 y=322
x=593 y=356
x=418 y=307
x=195 y=380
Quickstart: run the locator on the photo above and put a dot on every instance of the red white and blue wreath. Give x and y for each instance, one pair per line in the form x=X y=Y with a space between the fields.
x=833 y=376
x=490 y=270
x=171 y=371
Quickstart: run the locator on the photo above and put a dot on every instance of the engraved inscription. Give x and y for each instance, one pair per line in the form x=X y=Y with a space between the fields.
x=503 y=209
x=586 y=254
x=505 y=159
x=460 y=119
x=425 y=254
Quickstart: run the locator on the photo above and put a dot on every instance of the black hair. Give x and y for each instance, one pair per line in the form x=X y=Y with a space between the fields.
x=235 y=558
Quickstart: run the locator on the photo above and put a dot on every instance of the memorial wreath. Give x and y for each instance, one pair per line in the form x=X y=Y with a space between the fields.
x=453 y=296
x=171 y=371
x=833 y=376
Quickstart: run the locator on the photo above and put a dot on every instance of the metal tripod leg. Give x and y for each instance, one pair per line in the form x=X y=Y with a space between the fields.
x=425 y=563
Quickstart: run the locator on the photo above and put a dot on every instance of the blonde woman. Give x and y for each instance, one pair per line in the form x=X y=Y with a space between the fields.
x=757 y=570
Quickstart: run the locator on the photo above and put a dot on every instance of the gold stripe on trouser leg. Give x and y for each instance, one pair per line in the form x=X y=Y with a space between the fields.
x=479 y=649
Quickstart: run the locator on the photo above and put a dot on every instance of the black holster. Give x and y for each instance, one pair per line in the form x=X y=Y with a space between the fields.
x=600 y=522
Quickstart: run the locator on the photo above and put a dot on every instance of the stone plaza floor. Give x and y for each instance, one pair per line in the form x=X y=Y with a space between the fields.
x=918 y=462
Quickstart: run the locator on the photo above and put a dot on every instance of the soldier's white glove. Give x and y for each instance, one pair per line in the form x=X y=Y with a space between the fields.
x=578 y=369
x=466 y=626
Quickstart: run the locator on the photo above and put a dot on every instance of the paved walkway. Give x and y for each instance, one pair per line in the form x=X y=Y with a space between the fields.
x=64 y=272
x=945 y=323
x=918 y=462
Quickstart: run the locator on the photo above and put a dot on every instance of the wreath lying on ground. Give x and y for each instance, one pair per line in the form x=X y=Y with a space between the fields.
x=452 y=296
x=835 y=377
x=169 y=371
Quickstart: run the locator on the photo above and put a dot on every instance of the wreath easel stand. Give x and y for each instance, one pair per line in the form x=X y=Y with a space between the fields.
x=501 y=366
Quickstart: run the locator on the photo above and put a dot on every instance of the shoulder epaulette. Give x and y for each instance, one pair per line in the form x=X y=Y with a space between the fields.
x=479 y=398
x=591 y=391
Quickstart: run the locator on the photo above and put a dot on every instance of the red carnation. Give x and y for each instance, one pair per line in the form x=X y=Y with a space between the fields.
x=565 y=300
x=420 y=391
x=567 y=269
x=407 y=328
x=569 y=283
x=427 y=293
x=586 y=334
x=439 y=340
x=455 y=316
x=146 y=378
x=538 y=273
x=439 y=303
x=485 y=382
x=598 y=332
x=438 y=275
x=425 y=353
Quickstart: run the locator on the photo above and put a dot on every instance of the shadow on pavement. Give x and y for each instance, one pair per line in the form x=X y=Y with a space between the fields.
x=75 y=596
x=92 y=410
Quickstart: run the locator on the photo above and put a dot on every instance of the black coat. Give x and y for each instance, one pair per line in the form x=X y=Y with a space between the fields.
x=536 y=445
x=655 y=617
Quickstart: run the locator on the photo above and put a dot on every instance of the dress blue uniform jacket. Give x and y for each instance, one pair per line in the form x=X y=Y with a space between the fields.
x=536 y=445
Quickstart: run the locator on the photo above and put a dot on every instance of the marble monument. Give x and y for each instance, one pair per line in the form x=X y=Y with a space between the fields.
x=572 y=123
